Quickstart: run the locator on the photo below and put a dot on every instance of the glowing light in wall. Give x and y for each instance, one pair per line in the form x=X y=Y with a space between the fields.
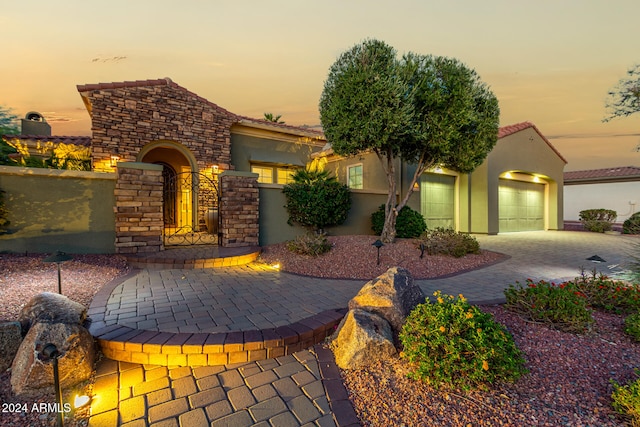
x=508 y=175
x=536 y=179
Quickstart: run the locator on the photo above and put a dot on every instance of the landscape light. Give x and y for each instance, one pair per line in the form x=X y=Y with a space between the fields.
x=50 y=352
x=378 y=244
x=59 y=257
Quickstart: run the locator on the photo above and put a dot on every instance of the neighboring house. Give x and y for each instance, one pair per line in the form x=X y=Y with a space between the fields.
x=616 y=188
x=196 y=145
x=517 y=188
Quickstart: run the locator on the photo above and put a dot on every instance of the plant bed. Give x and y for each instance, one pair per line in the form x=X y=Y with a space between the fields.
x=354 y=257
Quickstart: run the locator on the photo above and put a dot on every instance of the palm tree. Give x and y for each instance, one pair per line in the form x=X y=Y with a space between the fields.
x=271 y=118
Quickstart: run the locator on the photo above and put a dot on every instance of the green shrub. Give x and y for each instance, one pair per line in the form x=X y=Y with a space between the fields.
x=607 y=294
x=409 y=224
x=452 y=343
x=316 y=200
x=626 y=400
x=632 y=224
x=632 y=326
x=448 y=242
x=562 y=307
x=598 y=220
x=312 y=244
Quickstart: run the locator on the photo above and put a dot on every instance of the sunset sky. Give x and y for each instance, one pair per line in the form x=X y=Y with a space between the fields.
x=550 y=62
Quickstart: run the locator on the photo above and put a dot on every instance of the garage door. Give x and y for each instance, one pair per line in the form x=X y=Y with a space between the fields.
x=521 y=206
x=437 y=201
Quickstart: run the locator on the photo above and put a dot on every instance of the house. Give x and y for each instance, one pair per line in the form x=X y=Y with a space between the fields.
x=616 y=188
x=175 y=168
x=517 y=188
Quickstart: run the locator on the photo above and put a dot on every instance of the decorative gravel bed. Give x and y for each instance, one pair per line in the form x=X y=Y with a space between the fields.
x=354 y=257
x=22 y=277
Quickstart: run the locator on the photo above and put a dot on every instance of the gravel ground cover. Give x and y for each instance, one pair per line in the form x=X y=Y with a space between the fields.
x=354 y=257
x=22 y=277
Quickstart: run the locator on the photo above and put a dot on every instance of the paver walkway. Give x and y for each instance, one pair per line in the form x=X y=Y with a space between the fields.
x=286 y=391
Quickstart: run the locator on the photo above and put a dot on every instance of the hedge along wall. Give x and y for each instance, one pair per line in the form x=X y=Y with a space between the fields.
x=52 y=210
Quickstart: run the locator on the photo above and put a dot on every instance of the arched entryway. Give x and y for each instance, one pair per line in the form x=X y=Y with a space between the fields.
x=190 y=197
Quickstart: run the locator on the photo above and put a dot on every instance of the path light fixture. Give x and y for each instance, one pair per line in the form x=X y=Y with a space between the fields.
x=378 y=244
x=50 y=352
x=422 y=248
x=59 y=257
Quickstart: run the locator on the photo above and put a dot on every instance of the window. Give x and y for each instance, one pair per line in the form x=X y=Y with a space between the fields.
x=284 y=175
x=273 y=175
x=354 y=177
x=265 y=174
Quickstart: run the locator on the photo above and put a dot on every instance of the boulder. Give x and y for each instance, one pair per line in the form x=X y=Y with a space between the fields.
x=30 y=372
x=49 y=307
x=362 y=338
x=392 y=295
x=10 y=339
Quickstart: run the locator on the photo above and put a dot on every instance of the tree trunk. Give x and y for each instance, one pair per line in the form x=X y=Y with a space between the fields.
x=388 y=234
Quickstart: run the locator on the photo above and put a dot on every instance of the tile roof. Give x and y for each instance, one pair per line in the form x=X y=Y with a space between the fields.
x=606 y=174
x=84 y=141
x=505 y=131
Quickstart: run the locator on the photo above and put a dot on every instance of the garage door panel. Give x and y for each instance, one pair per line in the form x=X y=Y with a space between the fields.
x=437 y=200
x=520 y=206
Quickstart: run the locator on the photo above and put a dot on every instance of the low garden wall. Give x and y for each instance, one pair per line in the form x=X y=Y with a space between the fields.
x=52 y=210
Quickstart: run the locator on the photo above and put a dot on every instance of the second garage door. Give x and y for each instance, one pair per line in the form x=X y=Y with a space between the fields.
x=521 y=206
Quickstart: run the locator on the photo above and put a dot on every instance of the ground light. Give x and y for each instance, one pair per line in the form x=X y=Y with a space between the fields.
x=81 y=400
x=58 y=258
x=378 y=244
x=50 y=352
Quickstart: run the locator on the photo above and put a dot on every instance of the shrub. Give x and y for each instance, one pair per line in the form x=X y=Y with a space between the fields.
x=607 y=294
x=626 y=400
x=317 y=200
x=409 y=224
x=598 y=220
x=632 y=224
x=450 y=342
x=448 y=242
x=632 y=326
x=562 y=307
x=312 y=244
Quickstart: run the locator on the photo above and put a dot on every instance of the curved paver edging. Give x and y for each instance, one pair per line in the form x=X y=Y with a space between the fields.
x=126 y=344
x=172 y=263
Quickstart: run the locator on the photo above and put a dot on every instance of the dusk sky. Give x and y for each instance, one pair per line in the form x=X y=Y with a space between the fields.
x=549 y=62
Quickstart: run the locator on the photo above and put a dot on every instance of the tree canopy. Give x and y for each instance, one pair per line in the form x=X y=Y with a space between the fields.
x=624 y=98
x=8 y=126
x=427 y=110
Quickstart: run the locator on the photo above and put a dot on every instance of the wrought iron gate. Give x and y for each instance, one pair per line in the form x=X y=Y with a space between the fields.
x=191 y=215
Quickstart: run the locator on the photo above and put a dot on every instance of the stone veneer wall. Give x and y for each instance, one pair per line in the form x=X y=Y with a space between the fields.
x=127 y=116
x=138 y=208
x=239 y=203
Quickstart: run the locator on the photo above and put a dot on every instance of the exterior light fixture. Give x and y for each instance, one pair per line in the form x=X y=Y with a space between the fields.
x=276 y=266
x=422 y=248
x=508 y=175
x=50 y=352
x=114 y=158
x=438 y=169
x=81 y=400
x=58 y=258
x=215 y=169
x=378 y=244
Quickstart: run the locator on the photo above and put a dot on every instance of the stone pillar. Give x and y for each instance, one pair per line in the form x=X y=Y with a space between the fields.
x=239 y=197
x=138 y=208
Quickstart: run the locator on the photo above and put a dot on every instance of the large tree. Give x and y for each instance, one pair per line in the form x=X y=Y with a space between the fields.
x=423 y=109
x=624 y=98
x=8 y=126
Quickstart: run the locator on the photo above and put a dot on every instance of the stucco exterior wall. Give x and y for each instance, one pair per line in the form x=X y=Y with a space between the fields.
x=622 y=197
x=523 y=152
x=52 y=210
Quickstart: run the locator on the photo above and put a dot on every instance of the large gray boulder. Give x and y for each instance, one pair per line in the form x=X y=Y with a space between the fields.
x=392 y=295
x=30 y=373
x=362 y=338
x=10 y=339
x=49 y=307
